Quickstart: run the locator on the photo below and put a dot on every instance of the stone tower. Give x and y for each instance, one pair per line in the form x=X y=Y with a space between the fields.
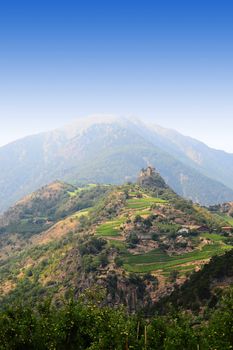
x=149 y=177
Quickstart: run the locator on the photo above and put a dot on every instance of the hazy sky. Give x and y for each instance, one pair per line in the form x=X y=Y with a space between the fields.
x=169 y=61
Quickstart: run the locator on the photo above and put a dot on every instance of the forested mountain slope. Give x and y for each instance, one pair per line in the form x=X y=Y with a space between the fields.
x=111 y=150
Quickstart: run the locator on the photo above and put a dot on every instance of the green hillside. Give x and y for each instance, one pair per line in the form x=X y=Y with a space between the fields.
x=136 y=238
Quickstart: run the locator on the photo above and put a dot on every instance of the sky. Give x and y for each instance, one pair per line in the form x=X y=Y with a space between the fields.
x=167 y=61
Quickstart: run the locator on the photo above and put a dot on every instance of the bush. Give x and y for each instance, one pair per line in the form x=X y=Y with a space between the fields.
x=85 y=325
x=132 y=239
x=119 y=262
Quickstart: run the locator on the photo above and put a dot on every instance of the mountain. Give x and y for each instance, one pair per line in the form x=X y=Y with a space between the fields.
x=136 y=241
x=41 y=209
x=212 y=163
x=107 y=149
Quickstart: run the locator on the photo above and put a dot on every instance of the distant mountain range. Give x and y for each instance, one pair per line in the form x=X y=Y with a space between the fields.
x=108 y=149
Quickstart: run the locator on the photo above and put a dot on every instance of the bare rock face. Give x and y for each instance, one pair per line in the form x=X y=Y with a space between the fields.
x=150 y=178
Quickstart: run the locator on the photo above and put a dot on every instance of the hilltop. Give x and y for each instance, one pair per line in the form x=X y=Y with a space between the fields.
x=108 y=149
x=137 y=241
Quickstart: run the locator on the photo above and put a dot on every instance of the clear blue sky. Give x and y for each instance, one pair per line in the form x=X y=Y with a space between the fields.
x=166 y=60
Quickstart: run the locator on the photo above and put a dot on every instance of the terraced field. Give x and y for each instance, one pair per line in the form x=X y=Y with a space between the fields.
x=110 y=228
x=157 y=260
x=137 y=206
x=213 y=237
x=143 y=203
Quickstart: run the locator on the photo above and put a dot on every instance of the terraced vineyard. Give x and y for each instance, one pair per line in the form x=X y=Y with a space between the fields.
x=110 y=228
x=135 y=206
x=143 y=203
x=158 y=261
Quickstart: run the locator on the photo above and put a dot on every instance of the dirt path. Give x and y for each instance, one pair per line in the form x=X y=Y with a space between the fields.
x=114 y=238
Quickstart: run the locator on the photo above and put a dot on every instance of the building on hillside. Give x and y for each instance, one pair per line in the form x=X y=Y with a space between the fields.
x=183 y=230
x=151 y=178
x=149 y=171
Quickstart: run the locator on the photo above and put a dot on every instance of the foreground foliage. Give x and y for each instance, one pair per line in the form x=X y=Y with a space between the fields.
x=84 y=324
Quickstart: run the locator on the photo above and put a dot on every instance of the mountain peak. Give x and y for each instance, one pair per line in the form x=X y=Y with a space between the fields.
x=82 y=124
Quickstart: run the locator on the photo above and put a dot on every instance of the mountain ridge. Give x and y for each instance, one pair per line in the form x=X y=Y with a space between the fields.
x=109 y=150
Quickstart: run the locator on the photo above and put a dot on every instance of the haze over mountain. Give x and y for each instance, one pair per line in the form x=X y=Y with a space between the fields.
x=109 y=149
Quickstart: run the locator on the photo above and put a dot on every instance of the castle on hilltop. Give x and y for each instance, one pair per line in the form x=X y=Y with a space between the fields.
x=150 y=177
x=149 y=171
